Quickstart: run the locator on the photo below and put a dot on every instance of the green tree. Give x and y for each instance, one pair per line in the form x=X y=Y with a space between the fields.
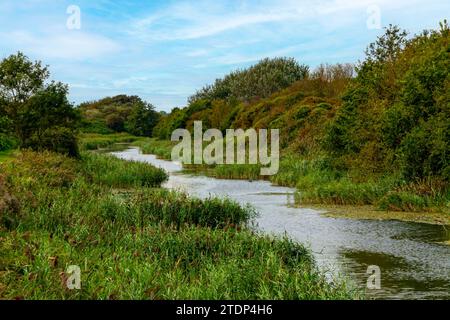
x=259 y=81
x=35 y=108
x=115 y=122
x=142 y=120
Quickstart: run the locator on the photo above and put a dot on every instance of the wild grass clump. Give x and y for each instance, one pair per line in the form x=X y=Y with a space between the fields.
x=30 y=169
x=417 y=196
x=160 y=148
x=343 y=192
x=177 y=209
x=111 y=171
x=237 y=171
x=162 y=263
x=92 y=141
x=304 y=173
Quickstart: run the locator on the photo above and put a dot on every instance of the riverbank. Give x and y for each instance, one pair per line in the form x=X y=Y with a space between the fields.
x=320 y=186
x=340 y=246
x=372 y=213
x=6 y=155
x=133 y=240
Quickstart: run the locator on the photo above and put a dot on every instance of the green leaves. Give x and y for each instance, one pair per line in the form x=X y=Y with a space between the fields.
x=20 y=78
x=38 y=113
x=142 y=120
x=258 y=81
x=399 y=104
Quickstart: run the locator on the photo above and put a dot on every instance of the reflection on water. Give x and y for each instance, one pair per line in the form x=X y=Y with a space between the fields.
x=413 y=263
x=400 y=278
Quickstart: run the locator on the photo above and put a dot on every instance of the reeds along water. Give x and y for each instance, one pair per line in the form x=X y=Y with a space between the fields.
x=138 y=242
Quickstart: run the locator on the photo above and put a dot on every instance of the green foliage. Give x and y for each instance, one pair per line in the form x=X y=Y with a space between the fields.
x=108 y=170
x=57 y=139
x=398 y=107
x=142 y=244
x=259 y=81
x=38 y=114
x=93 y=141
x=7 y=142
x=119 y=114
x=115 y=123
x=425 y=151
x=20 y=79
x=142 y=120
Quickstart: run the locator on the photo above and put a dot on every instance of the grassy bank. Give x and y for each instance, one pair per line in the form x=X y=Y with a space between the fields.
x=160 y=148
x=137 y=242
x=6 y=155
x=319 y=183
x=93 y=141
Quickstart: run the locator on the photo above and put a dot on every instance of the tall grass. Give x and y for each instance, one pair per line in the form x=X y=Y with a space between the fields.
x=237 y=171
x=137 y=243
x=160 y=148
x=6 y=155
x=177 y=209
x=92 y=141
x=111 y=171
x=319 y=182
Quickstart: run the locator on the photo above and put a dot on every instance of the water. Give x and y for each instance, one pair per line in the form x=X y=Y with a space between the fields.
x=413 y=262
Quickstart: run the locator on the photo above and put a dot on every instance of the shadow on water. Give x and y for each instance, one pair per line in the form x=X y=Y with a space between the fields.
x=426 y=233
x=400 y=278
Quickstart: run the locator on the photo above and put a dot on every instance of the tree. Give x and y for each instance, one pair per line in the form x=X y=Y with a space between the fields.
x=259 y=81
x=115 y=122
x=142 y=120
x=34 y=108
x=388 y=46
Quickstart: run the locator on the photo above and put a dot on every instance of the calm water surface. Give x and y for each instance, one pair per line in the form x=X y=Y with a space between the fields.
x=413 y=263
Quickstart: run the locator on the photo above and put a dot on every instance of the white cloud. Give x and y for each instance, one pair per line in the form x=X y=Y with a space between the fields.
x=187 y=21
x=200 y=19
x=65 y=45
x=129 y=82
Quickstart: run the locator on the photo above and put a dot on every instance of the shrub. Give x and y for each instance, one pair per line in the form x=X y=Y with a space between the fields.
x=259 y=81
x=426 y=150
x=403 y=201
x=56 y=139
x=7 y=142
x=115 y=122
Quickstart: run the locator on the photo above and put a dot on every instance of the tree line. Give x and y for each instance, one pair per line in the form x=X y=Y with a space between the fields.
x=388 y=113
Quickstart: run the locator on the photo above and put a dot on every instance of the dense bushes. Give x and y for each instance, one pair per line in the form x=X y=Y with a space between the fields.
x=398 y=107
x=118 y=114
x=391 y=120
x=7 y=142
x=259 y=81
x=57 y=139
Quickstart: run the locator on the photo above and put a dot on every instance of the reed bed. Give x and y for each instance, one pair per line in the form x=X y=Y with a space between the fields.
x=137 y=243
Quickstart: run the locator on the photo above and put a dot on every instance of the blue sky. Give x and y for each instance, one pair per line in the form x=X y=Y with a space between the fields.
x=164 y=50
